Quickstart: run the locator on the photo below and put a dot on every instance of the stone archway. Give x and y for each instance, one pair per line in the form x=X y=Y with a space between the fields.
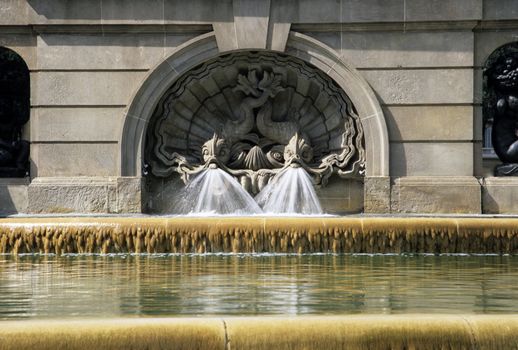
x=205 y=47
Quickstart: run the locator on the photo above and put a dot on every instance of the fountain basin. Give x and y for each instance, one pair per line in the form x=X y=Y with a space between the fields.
x=259 y=234
x=323 y=332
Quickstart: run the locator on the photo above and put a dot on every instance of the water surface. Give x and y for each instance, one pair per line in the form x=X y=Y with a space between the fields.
x=33 y=286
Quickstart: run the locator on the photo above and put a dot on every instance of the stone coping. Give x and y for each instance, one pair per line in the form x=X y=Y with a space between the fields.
x=371 y=235
x=428 y=331
x=72 y=215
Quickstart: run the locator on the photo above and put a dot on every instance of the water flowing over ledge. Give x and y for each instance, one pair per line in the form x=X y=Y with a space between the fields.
x=258 y=234
x=321 y=332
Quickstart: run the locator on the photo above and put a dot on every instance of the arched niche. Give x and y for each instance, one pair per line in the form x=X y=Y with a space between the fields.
x=14 y=113
x=204 y=47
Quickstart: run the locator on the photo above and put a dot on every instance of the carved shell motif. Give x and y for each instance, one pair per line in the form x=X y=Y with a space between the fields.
x=253 y=113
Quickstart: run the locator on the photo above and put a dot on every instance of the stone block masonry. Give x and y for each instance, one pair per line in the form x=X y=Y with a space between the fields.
x=413 y=71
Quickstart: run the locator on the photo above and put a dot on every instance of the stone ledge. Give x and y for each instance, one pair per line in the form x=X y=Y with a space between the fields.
x=422 y=194
x=259 y=234
x=425 y=331
x=500 y=195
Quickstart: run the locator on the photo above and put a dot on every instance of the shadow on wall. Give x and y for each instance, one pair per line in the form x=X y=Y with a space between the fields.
x=193 y=11
x=7 y=205
x=184 y=12
x=398 y=164
x=13 y=196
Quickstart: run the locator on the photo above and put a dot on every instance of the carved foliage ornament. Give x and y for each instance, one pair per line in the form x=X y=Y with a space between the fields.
x=253 y=114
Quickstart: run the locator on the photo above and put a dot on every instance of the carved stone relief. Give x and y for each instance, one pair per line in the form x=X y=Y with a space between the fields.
x=252 y=114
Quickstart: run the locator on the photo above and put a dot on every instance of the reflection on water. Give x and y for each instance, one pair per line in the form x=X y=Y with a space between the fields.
x=165 y=285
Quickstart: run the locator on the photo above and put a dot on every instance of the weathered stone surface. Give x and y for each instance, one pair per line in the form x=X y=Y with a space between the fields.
x=85 y=195
x=306 y=11
x=83 y=88
x=422 y=86
x=108 y=51
x=76 y=124
x=14 y=12
x=279 y=36
x=500 y=195
x=500 y=9
x=342 y=196
x=131 y=12
x=371 y=10
x=448 y=195
x=129 y=195
x=79 y=159
x=64 y=11
x=226 y=35
x=429 y=123
x=72 y=195
x=196 y=11
x=431 y=159
x=394 y=49
x=134 y=12
x=489 y=40
x=377 y=194
x=23 y=44
x=251 y=22
x=294 y=11
x=408 y=49
x=443 y=10
x=13 y=195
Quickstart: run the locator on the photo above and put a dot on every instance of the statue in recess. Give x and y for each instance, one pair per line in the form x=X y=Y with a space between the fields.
x=14 y=113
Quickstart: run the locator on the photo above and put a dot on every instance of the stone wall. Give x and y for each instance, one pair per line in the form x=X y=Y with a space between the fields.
x=423 y=60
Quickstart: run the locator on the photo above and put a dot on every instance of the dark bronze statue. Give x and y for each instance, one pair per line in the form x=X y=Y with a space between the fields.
x=14 y=113
x=501 y=104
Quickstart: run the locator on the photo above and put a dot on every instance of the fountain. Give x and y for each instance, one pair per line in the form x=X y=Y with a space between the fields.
x=275 y=135
x=255 y=120
x=290 y=192
x=238 y=162
x=213 y=191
